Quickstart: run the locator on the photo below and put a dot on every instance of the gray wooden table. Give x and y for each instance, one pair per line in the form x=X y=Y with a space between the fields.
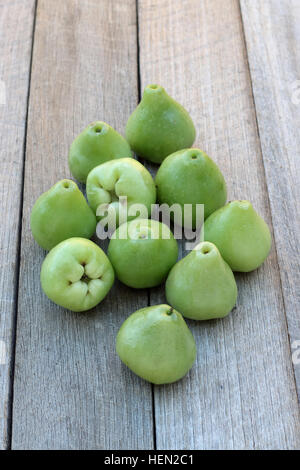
x=236 y=67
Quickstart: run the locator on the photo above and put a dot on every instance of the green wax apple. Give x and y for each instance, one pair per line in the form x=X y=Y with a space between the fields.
x=61 y=213
x=202 y=285
x=76 y=274
x=142 y=252
x=97 y=143
x=241 y=235
x=156 y=344
x=124 y=177
x=189 y=176
x=159 y=126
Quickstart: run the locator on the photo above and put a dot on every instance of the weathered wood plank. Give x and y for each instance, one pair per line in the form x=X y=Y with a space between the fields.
x=16 y=26
x=70 y=389
x=241 y=394
x=272 y=31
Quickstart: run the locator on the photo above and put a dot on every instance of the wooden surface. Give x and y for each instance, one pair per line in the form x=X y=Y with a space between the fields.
x=275 y=71
x=70 y=389
x=234 y=67
x=16 y=27
x=233 y=397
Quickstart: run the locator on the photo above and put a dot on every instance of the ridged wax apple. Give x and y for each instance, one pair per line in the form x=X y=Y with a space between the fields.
x=60 y=213
x=97 y=143
x=156 y=344
x=76 y=274
x=202 y=286
x=190 y=176
x=241 y=235
x=142 y=252
x=159 y=126
x=124 y=177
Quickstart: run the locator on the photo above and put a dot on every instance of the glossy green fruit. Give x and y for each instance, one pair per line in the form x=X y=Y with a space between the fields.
x=142 y=252
x=189 y=176
x=241 y=235
x=159 y=126
x=156 y=344
x=125 y=177
x=202 y=285
x=76 y=274
x=97 y=144
x=61 y=213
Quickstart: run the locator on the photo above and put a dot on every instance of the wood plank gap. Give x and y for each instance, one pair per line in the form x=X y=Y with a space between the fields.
x=16 y=25
x=139 y=99
x=138 y=50
x=269 y=200
x=272 y=208
x=17 y=268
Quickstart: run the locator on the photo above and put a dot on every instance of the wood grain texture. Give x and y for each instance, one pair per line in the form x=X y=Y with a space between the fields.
x=70 y=389
x=272 y=31
x=241 y=393
x=16 y=26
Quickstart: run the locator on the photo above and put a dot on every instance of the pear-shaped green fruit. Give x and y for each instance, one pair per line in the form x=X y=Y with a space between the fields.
x=156 y=344
x=201 y=285
x=159 y=126
x=61 y=213
x=241 y=235
x=111 y=181
x=142 y=252
x=190 y=176
x=97 y=143
x=76 y=274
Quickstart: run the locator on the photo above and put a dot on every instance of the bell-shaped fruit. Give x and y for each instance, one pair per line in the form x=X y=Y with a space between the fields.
x=159 y=126
x=61 y=213
x=142 y=252
x=76 y=274
x=156 y=344
x=108 y=185
x=201 y=285
x=97 y=143
x=189 y=176
x=241 y=235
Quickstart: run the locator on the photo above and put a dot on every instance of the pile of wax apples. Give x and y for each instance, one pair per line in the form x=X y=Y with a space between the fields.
x=154 y=342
